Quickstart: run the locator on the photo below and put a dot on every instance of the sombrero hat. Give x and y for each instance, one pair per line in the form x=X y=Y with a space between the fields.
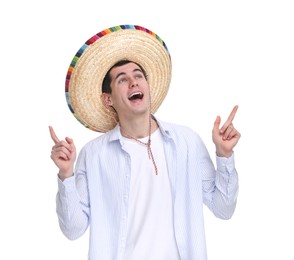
x=83 y=87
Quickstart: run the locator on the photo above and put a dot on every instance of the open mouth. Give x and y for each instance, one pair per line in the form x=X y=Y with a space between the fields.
x=136 y=96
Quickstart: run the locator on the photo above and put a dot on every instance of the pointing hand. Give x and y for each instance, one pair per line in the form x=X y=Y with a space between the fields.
x=226 y=137
x=63 y=154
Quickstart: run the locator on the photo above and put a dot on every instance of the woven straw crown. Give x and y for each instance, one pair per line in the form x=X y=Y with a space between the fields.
x=89 y=66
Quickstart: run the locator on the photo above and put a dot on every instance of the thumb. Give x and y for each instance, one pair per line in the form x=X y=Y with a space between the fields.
x=70 y=142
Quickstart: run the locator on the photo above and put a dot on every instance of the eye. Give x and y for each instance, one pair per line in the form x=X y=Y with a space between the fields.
x=139 y=76
x=122 y=80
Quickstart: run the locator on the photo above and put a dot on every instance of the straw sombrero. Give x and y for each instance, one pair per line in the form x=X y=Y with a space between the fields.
x=86 y=72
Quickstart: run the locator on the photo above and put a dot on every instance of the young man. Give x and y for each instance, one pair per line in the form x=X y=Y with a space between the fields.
x=141 y=185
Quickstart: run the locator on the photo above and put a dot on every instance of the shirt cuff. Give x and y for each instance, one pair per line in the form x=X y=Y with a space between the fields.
x=67 y=185
x=225 y=164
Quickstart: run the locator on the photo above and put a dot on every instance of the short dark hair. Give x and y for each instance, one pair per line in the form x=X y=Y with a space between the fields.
x=107 y=79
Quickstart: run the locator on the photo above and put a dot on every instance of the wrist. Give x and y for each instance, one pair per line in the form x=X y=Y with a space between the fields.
x=224 y=154
x=64 y=175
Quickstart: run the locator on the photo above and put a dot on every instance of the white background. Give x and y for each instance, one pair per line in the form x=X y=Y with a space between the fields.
x=223 y=52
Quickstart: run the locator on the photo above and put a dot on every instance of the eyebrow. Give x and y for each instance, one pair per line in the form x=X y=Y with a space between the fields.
x=123 y=73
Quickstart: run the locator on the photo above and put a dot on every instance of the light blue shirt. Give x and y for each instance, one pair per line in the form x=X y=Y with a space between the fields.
x=97 y=195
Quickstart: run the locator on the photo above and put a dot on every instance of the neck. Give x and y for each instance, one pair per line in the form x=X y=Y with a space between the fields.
x=138 y=127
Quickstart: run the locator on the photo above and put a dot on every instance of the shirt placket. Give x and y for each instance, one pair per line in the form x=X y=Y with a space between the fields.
x=124 y=212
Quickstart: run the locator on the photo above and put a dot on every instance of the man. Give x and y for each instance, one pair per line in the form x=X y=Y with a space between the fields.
x=141 y=185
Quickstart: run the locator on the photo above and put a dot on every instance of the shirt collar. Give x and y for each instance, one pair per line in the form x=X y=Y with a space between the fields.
x=164 y=128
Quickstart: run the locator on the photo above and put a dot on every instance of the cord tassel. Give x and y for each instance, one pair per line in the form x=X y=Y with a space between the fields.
x=150 y=154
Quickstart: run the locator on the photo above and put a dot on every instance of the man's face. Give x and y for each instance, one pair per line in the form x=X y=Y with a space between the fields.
x=130 y=91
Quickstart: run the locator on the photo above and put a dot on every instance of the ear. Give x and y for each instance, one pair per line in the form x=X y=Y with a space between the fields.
x=106 y=100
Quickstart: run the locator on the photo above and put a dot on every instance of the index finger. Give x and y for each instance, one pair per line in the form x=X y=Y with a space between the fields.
x=53 y=135
x=230 y=119
x=232 y=115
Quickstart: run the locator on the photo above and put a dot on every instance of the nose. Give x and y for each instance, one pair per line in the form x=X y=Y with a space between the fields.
x=134 y=83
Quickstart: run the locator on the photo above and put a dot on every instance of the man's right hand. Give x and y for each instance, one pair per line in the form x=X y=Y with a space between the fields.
x=63 y=155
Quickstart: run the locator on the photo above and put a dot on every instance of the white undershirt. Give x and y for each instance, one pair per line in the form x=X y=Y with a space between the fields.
x=150 y=212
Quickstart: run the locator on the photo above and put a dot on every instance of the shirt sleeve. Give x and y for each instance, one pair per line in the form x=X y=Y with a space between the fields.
x=221 y=196
x=220 y=187
x=72 y=203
